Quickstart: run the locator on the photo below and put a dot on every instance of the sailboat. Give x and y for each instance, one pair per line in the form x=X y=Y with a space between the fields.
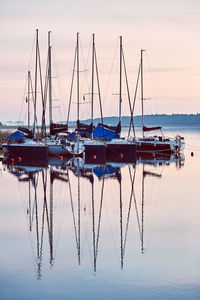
x=155 y=144
x=23 y=144
x=119 y=149
x=94 y=149
x=58 y=144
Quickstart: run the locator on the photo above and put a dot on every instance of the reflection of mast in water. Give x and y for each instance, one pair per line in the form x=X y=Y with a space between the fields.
x=123 y=237
x=121 y=225
x=31 y=174
x=132 y=196
x=144 y=174
x=45 y=211
x=33 y=177
x=50 y=227
x=96 y=236
x=142 y=236
x=88 y=174
x=77 y=231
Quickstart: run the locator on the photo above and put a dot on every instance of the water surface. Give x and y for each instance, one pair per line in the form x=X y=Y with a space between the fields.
x=118 y=231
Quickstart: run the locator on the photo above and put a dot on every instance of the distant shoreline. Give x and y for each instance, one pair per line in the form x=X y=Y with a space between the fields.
x=123 y=126
x=163 y=120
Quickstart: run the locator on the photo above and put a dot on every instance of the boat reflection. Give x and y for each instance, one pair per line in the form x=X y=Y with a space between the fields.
x=161 y=158
x=87 y=187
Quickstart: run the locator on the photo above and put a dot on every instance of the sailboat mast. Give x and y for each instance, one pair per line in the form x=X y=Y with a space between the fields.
x=28 y=98
x=50 y=79
x=98 y=85
x=36 y=70
x=92 y=100
x=72 y=84
x=120 y=80
x=142 y=95
x=77 y=61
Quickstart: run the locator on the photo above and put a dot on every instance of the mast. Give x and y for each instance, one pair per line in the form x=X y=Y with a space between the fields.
x=98 y=84
x=77 y=63
x=142 y=96
x=36 y=70
x=120 y=80
x=92 y=100
x=72 y=83
x=28 y=98
x=50 y=80
x=133 y=106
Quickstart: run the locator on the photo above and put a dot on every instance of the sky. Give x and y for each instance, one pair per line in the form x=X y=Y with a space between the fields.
x=169 y=31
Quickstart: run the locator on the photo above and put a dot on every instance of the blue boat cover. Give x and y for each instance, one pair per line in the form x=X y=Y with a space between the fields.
x=16 y=135
x=104 y=133
x=72 y=135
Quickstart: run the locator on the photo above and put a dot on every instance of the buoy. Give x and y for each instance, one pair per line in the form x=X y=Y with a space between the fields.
x=61 y=157
x=192 y=153
x=153 y=155
x=19 y=159
x=12 y=161
x=121 y=155
x=94 y=157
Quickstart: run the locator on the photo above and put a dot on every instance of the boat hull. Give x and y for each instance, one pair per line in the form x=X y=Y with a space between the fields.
x=121 y=152
x=95 y=154
x=59 y=150
x=73 y=149
x=154 y=147
x=26 y=152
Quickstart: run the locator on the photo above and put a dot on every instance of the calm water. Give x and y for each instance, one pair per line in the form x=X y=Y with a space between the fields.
x=108 y=232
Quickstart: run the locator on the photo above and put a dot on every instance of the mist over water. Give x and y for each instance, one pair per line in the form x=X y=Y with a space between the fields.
x=114 y=231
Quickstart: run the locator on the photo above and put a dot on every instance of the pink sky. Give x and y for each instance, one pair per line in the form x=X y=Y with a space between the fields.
x=168 y=30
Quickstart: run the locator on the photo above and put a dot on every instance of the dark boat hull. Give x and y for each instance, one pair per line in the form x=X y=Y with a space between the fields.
x=154 y=148
x=28 y=152
x=95 y=154
x=25 y=162
x=121 y=152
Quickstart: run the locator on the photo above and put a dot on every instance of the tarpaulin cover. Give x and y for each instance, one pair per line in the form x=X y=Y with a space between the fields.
x=72 y=135
x=117 y=128
x=16 y=136
x=104 y=133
